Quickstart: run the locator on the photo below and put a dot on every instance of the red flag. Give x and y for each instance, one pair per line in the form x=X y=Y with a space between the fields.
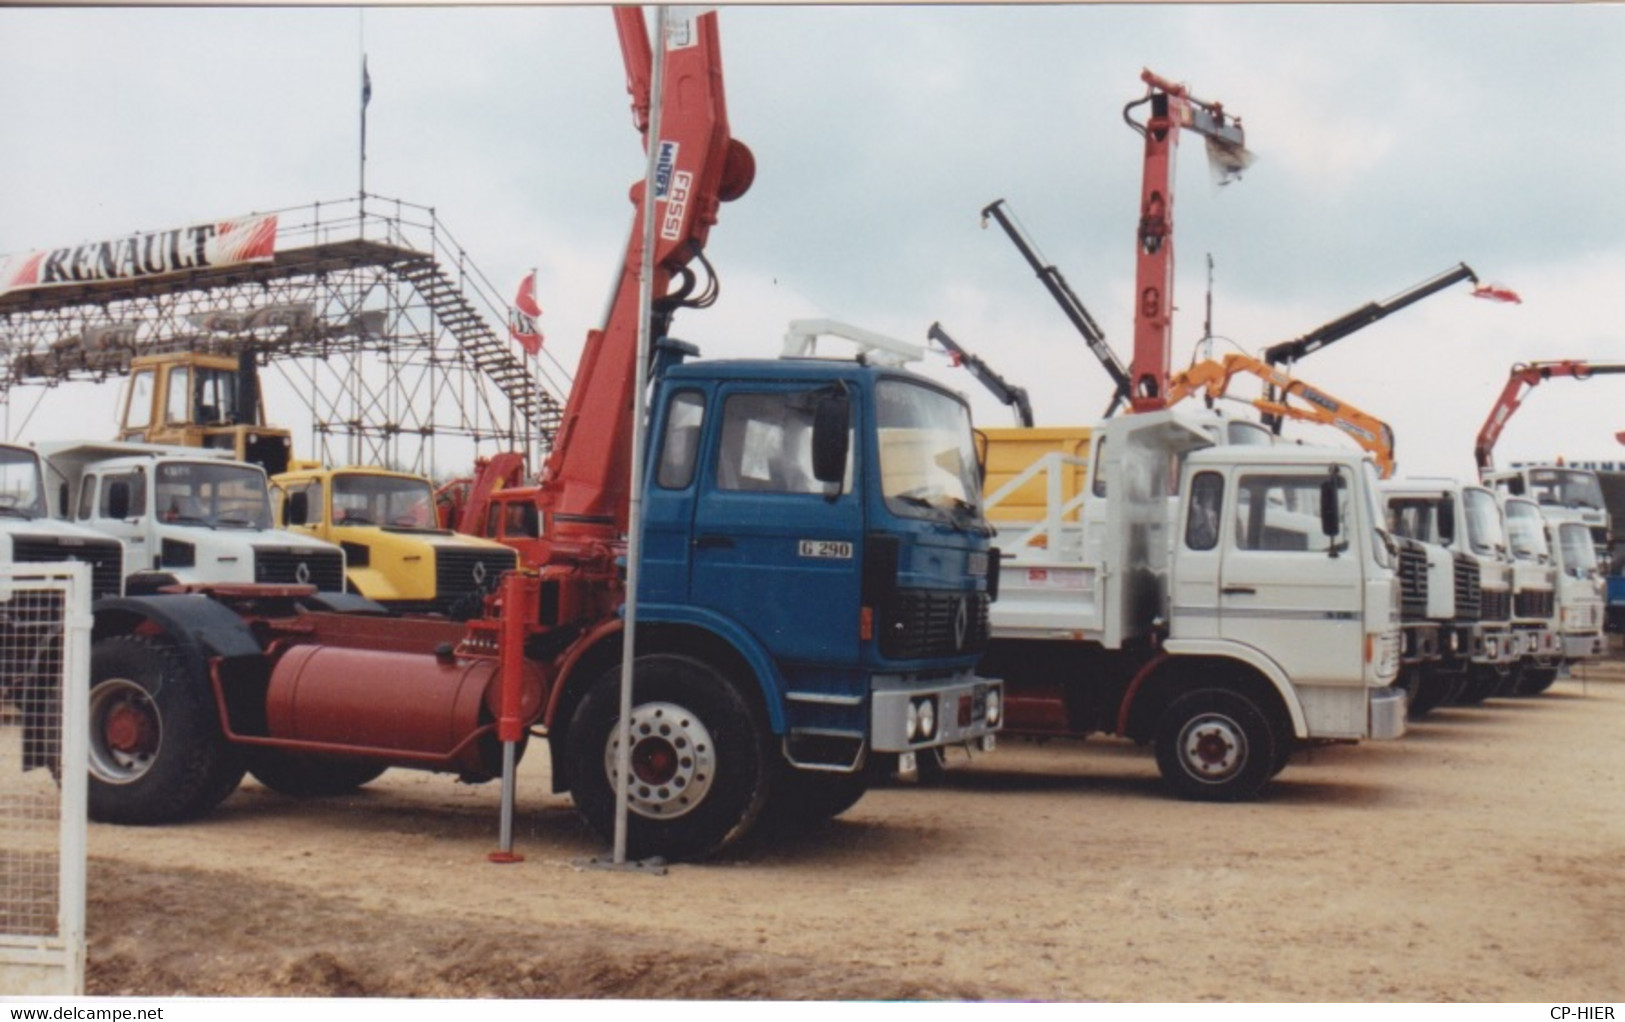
x=522 y=317
x=1497 y=294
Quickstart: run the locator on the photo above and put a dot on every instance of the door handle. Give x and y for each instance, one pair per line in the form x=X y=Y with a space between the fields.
x=713 y=542
x=1238 y=591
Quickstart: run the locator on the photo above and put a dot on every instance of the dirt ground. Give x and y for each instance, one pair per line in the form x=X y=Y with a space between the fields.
x=1480 y=858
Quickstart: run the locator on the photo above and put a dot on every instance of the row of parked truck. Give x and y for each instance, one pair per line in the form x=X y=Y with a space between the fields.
x=824 y=597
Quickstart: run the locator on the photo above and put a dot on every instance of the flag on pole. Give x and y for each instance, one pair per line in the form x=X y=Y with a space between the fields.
x=366 y=84
x=523 y=315
x=1497 y=293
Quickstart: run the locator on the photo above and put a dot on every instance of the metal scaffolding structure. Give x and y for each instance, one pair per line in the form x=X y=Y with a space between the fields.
x=369 y=310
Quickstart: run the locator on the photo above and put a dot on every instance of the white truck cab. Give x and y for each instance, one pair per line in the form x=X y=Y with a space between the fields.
x=185 y=515
x=29 y=534
x=1581 y=596
x=1534 y=593
x=1228 y=603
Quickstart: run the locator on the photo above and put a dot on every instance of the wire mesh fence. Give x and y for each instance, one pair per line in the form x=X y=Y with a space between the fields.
x=44 y=677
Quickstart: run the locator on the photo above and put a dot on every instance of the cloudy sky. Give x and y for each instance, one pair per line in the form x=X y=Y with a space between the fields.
x=1392 y=143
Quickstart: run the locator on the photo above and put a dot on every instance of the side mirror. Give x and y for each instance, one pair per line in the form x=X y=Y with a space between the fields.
x=296 y=509
x=1328 y=505
x=831 y=439
x=118 y=500
x=1447 y=520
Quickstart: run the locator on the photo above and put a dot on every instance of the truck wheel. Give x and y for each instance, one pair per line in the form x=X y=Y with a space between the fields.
x=157 y=753
x=1433 y=690
x=302 y=775
x=1481 y=682
x=1536 y=680
x=802 y=799
x=1215 y=746
x=700 y=760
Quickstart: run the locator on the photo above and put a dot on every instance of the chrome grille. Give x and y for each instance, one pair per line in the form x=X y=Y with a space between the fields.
x=323 y=569
x=105 y=557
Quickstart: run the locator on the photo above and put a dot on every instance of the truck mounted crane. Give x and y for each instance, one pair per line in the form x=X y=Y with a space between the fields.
x=1011 y=396
x=1289 y=353
x=1565 y=493
x=1524 y=377
x=812 y=598
x=1212 y=378
x=1172 y=109
x=1069 y=302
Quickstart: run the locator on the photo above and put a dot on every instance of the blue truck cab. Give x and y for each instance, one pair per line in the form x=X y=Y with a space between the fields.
x=824 y=518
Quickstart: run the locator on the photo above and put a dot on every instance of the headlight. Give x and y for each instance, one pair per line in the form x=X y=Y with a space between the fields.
x=993 y=708
x=911 y=728
x=926 y=715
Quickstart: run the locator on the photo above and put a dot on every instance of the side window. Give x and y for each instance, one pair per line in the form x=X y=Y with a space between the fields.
x=679 y=448
x=138 y=414
x=522 y=521
x=1282 y=512
x=767 y=444
x=135 y=484
x=1207 y=502
x=87 y=497
x=180 y=396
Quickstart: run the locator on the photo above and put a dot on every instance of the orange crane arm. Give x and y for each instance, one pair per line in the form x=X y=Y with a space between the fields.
x=1212 y=378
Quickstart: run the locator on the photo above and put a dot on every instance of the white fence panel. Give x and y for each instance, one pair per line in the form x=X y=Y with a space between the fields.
x=44 y=702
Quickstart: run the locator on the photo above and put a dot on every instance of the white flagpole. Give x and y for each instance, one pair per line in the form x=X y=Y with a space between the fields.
x=634 y=546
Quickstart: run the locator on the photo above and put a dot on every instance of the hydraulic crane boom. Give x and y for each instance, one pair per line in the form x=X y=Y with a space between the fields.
x=1172 y=108
x=1523 y=378
x=1068 y=301
x=1213 y=378
x=1288 y=352
x=585 y=486
x=1009 y=394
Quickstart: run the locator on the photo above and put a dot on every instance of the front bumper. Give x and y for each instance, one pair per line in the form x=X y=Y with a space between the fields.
x=963 y=708
x=1387 y=710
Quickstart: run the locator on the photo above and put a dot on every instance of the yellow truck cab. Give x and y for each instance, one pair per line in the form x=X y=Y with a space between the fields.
x=191 y=399
x=395 y=554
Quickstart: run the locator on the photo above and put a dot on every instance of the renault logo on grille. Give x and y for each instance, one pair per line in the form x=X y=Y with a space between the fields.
x=479 y=573
x=961 y=624
x=301 y=573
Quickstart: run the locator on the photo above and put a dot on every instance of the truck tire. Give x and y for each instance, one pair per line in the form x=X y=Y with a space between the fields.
x=1214 y=745
x=803 y=799
x=157 y=753
x=701 y=762
x=1536 y=680
x=303 y=775
x=1482 y=682
x=1433 y=690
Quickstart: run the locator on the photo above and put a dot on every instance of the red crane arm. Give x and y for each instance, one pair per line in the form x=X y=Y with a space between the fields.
x=1172 y=108
x=585 y=485
x=1524 y=378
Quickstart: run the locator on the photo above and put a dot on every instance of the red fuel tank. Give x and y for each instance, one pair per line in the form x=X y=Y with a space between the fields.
x=421 y=708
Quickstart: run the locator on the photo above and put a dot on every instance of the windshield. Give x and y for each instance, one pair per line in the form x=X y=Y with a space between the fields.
x=927 y=452
x=1526 y=530
x=1579 y=555
x=212 y=495
x=403 y=501
x=1415 y=518
x=20 y=489
x=1565 y=487
x=1484 y=532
